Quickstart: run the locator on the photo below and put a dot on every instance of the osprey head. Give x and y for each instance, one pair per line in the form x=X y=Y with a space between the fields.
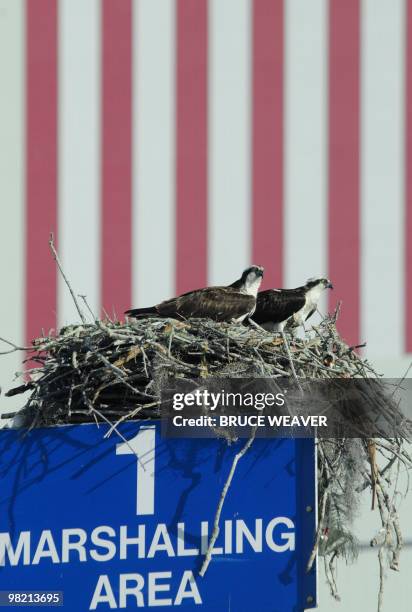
x=322 y=283
x=251 y=279
x=251 y=274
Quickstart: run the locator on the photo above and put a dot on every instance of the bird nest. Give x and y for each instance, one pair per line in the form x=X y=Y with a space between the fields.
x=110 y=371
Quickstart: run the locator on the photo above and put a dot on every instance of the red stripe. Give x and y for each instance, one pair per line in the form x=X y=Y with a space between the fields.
x=267 y=140
x=41 y=165
x=116 y=155
x=408 y=178
x=344 y=109
x=191 y=134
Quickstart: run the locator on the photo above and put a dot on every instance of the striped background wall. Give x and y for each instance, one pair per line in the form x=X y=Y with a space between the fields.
x=169 y=143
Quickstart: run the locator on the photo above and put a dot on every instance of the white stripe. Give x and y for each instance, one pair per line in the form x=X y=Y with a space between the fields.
x=382 y=155
x=229 y=139
x=153 y=148
x=12 y=167
x=79 y=153
x=305 y=106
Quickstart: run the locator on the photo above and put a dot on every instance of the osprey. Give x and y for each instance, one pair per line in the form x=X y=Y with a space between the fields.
x=290 y=308
x=235 y=302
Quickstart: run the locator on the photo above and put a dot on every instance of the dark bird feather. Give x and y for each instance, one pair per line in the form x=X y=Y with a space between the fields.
x=217 y=303
x=277 y=306
x=280 y=308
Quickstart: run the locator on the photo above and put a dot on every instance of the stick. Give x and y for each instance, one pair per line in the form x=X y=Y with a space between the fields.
x=292 y=367
x=371 y=446
x=318 y=532
x=86 y=303
x=216 y=528
x=333 y=584
x=16 y=347
x=121 y=436
x=381 y=579
x=57 y=260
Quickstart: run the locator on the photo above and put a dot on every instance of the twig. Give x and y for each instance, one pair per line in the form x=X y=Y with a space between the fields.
x=216 y=528
x=57 y=260
x=16 y=347
x=86 y=303
x=318 y=532
x=292 y=366
x=381 y=578
x=121 y=436
x=332 y=583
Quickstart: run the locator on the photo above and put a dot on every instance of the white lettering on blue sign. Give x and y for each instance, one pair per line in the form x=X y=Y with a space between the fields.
x=105 y=543
x=155 y=591
x=143 y=446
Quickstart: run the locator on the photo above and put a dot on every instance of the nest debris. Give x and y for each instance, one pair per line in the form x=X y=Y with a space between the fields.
x=111 y=371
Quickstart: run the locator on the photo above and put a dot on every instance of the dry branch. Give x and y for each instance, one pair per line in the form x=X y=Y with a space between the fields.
x=216 y=528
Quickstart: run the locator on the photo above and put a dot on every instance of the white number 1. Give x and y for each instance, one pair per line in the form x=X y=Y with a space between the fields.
x=143 y=446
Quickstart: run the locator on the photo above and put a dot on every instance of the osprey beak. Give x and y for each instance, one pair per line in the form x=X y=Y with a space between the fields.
x=329 y=285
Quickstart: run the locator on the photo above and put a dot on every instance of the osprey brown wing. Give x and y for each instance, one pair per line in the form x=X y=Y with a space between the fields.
x=277 y=306
x=218 y=303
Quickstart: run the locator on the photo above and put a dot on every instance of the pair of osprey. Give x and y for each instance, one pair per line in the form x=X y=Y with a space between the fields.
x=273 y=309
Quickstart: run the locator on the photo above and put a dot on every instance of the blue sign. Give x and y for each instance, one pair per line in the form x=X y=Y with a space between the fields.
x=125 y=523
